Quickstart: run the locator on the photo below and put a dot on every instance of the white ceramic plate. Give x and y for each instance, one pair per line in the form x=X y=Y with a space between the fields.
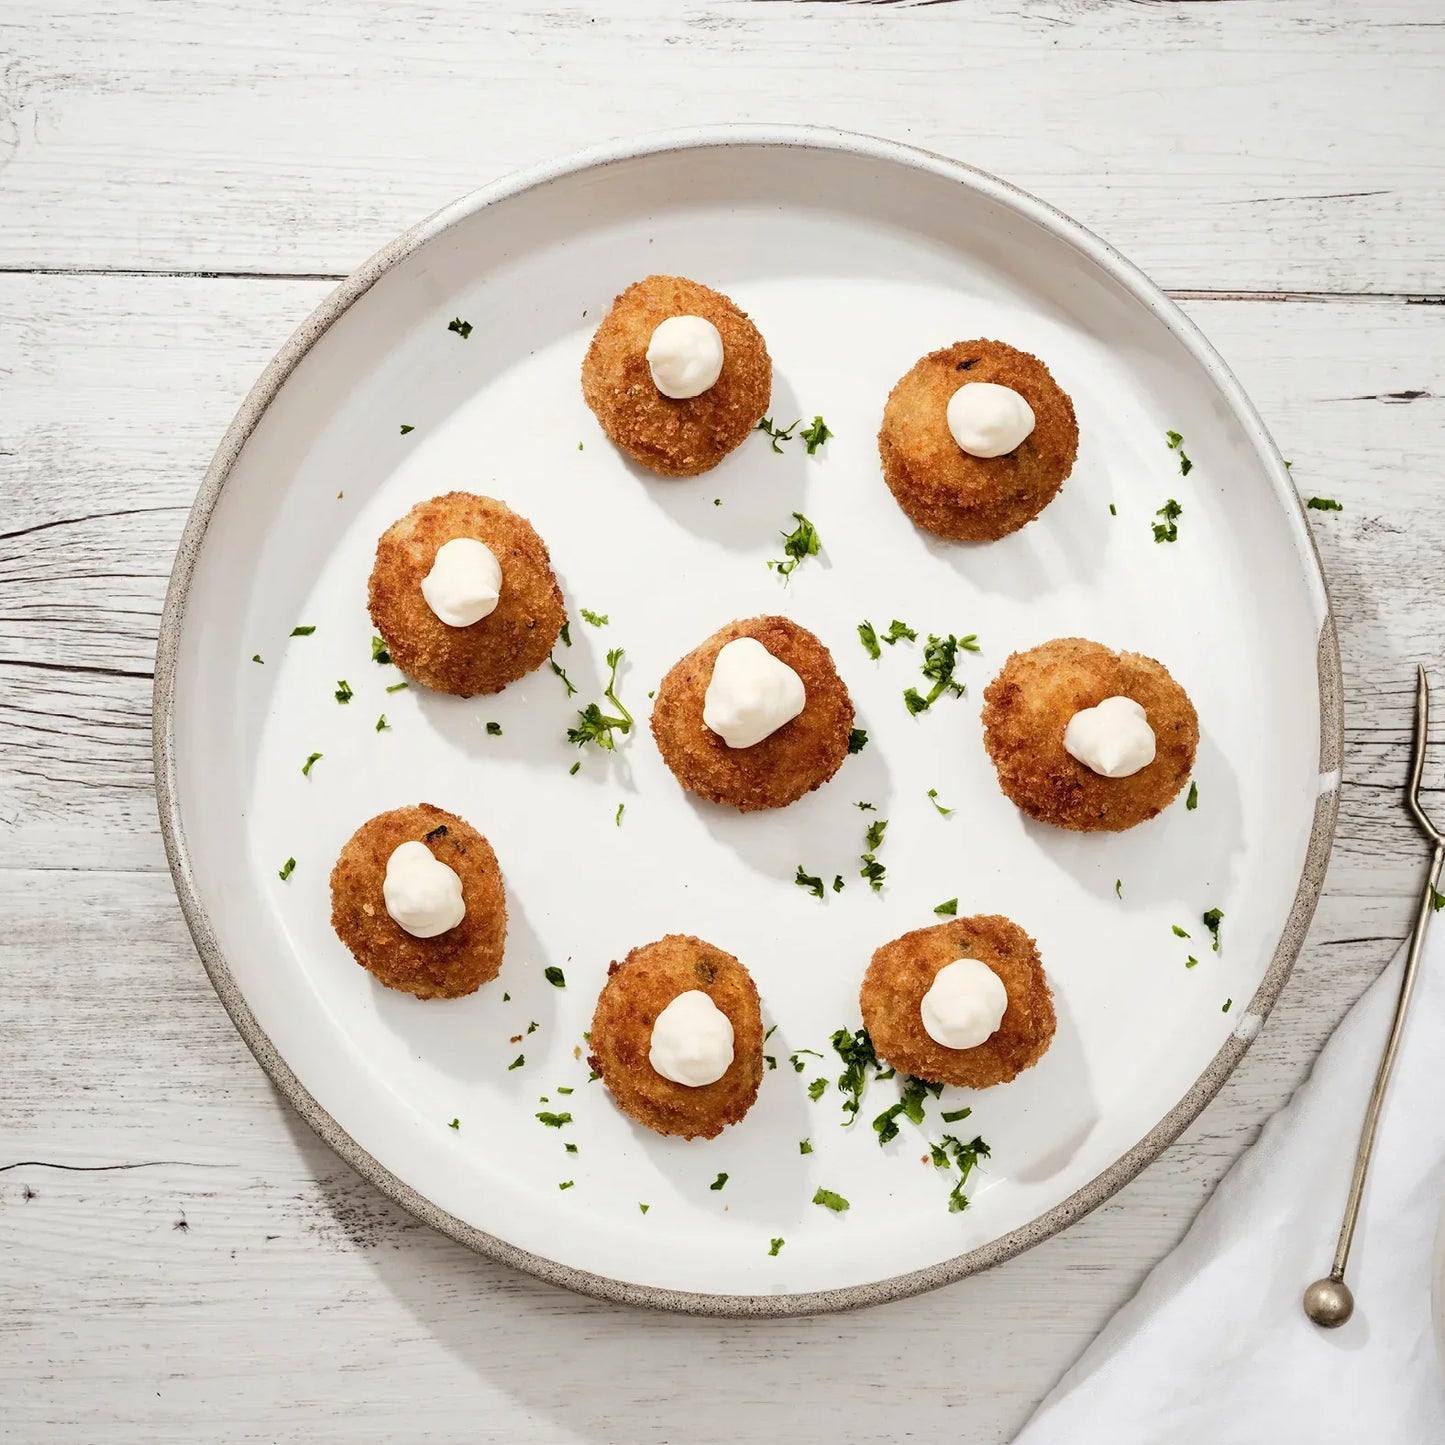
x=854 y=257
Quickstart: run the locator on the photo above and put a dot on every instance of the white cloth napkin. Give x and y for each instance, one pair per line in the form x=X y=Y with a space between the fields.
x=1215 y=1347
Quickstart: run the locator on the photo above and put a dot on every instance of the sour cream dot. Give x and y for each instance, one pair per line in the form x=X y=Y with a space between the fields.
x=751 y=693
x=988 y=420
x=1113 y=739
x=685 y=356
x=421 y=893
x=964 y=1005
x=465 y=582
x=692 y=1041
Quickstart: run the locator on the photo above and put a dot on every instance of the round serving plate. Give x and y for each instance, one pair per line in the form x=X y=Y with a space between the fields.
x=854 y=256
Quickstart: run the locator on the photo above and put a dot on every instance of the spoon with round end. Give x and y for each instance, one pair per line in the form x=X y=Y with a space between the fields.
x=1328 y=1302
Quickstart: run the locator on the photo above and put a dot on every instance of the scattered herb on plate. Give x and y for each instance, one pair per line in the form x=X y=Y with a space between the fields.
x=774 y=1245
x=597 y=619
x=517 y=1062
x=805 y=1146
x=817 y=1089
x=965 y=1158
x=949 y=909
x=379 y=651
x=382 y=725
x=857 y=740
x=554 y=976
x=287 y=869
x=256 y=657
x=1168 y=529
x=494 y=729
x=1178 y=932
x=397 y=687
x=856 y=1052
x=829 y=1200
x=810 y=881
x=800 y=543
x=1212 y=920
x=776 y=434
x=554 y=1121
x=405 y=428
x=718 y=1182
x=1192 y=801
x=595 y=726
x=933 y=798
x=617 y=817
x=1176 y=444
x=462 y=328
x=343 y=690
x=306 y=766
x=455 y=1124
x=869 y=638
x=1324 y=504
x=302 y=631
x=814 y=436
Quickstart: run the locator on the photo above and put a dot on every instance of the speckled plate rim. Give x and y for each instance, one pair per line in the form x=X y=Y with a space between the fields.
x=1098 y=1189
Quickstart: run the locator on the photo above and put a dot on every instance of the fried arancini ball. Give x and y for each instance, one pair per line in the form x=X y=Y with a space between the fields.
x=675 y=437
x=636 y=992
x=903 y=971
x=786 y=765
x=1028 y=705
x=453 y=963
x=938 y=484
x=503 y=646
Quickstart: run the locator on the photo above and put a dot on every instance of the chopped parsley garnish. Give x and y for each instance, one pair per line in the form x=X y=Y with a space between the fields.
x=256 y=657
x=554 y=976
x=397 y=687
x=774 y=1245
x=805 y=1146
x=874 y=836
x=798 y=544
x=718 y=1182
x=1176 y=445
x=572 y=771
x=494 y=729
x=440 y=831
x=462 y=328
x=517 y=1062
x=940 y=657
x=1192 y=801
x=1191 y=962
x=857 y=740
x=869 y=638
x=566 y=633
x=915 y=1091
x=554 y=1121
x=1179 y=932
x=306 y=766
x=770 y=1061
x=302 y=631
x=562 y=1089
x=595 y=726
x=772 y=1029
x=405 y=428
x=343 y=690
x=949 y=909
x=570 y=1148
x=1212 y=920
x=287 y=869
x=1228 y=1004
x=532 y=1027
x=566 y=681
x=837 y=883
x=817 y=1089
x=777 y=434
x=381 y=724
x=455 y=1124
x=617 y=817
x=1118 y=888
x=506 y=998
x=644 y=1207
x=1324 y=504
x=565 y=1184
x=829 y=1200
x=1168 y=529
x=1437 y=898
x=856 y=1051
x=872 y=869
x=810 y=881
x=898 y=632
x=965 y=1157
x=796 y=1059
x=933 y=798
x=952 y=1116
x=1113 y=511
x=597 y=619
x=379 y=652
x=814 y=436
x=717 y=501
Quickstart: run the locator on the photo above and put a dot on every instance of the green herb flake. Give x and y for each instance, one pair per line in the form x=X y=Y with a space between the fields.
x=718 y=1182
x=597 y=619
x=1324 y=504
x=965 y=1158
x=814 y=436
x=810 y=881
x=949 y=909
x=563 y=1089
x=796 y=1059
x=379 y=652
x=873 y=838
x=397 y=687
x=817 y=1089
x=717 y=501
x=382 y=725
x=462 y=328
x=306 y=766
x=856 y=1052
x=933 y=798
x=517 y=1062
x=873 y=871
x=770 y=1061
x=776 y=434
x=579 y=446
x=865 y=807
x=1437 y=898
x=805 y=1146
x=287 y=869
x=774 y=1245
x=952 y=1116
x=1118 y=888
x=910 y=1103
x=506 y=998
x=644 y=1207
x=256 y=657
x=494 y=729
x=1212 y=920
x=572 y=771
x=532 y=1027
x=302 y=631
x=802 y=542
x=455 y=1124
x=570 y=1148
x=1168 y=529
x=555 y=1121
x=554 y=976
x=869 y=638
x=617 y=817
x=1174 y=438
x=343 y=690
x=857 y=740
x=837 y=883
x=829 y=1200
x=1179 y=932
x=595 y=726
x=566 y=681
x=1192 y=801
x=1191 y=962
x=1113 y=510
x=565 y=1184
x=405 y=428
x=566 y=633
x=1228 y=1004
x=899 y=632
x=940 y=658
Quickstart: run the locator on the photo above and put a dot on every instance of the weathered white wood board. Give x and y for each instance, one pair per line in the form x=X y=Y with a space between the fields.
x=1247 y=146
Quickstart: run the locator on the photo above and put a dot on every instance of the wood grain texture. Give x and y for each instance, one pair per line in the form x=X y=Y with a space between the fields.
x=1259 y=144
x=181 y=1259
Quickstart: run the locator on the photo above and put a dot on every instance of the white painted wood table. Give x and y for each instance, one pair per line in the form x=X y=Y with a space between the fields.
x=180 y=184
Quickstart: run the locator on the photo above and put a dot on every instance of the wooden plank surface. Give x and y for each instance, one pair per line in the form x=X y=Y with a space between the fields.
x=1237 y=150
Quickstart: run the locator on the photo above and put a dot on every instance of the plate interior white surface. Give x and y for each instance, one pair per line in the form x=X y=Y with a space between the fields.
x=852 y=266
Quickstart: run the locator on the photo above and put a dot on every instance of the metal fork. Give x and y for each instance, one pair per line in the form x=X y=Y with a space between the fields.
x=1328 y=1302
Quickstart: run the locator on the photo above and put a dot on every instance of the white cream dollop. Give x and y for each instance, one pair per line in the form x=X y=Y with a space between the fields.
x=964 y=1005
x=751 y=694
x=1113 y=739
x=421 y=893
x=685 y=356
x=692 y=1041
x=464 y=583
x=988 y=420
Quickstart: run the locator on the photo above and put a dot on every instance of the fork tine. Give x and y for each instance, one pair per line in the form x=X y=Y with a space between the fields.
x=1417 y=759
